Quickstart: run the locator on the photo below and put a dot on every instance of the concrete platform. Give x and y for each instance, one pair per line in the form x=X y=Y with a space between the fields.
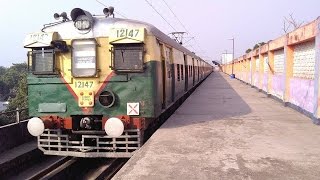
x=228 y=130
x=11 y=161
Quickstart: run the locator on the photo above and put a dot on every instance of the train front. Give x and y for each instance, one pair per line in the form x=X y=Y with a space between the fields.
x=88 y=86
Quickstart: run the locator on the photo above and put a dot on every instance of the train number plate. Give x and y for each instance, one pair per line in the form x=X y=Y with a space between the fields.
x=130 y=34
x=83 y=84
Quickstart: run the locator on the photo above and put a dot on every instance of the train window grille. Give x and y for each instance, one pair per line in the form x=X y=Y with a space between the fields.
x=42 y=61
x=178 y=71
x=127 y=57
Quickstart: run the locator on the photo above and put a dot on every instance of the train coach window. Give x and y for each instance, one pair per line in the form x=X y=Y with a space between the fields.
x=128 y=57
x=181 y=72
x=42 y=61
x=178 y=71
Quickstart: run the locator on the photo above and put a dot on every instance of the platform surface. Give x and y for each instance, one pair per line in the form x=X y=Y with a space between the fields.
x=228 y=130
x=18 y=151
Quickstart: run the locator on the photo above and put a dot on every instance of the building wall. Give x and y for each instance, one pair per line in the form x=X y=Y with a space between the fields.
x=288 y=68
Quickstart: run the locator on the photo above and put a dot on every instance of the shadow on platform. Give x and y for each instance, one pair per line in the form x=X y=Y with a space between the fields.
x=214 y=99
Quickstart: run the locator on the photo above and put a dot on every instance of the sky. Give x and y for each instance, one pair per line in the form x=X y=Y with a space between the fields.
x=210 y=22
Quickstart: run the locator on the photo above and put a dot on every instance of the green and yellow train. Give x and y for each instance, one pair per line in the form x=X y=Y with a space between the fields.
x=96 y=83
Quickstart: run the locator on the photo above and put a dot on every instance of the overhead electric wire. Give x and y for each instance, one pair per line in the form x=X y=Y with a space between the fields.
x=114 y=11
x=160 y=14
x=182 y=25
x=175 y=16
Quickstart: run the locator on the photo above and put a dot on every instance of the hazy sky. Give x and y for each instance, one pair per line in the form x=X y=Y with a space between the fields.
x=211 y=22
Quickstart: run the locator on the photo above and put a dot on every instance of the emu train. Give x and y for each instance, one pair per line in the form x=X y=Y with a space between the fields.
x=96 y=83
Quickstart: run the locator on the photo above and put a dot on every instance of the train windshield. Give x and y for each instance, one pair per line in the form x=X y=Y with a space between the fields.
x=84 y=58
x=128 y=57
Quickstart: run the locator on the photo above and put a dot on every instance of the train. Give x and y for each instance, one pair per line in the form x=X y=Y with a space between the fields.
x=96 y=83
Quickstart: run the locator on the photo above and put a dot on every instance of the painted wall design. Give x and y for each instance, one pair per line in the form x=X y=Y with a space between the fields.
x=265 y=82
x=278 y=86
x=302 y=93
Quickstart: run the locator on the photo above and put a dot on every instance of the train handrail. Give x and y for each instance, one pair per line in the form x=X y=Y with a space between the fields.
x=17 y=117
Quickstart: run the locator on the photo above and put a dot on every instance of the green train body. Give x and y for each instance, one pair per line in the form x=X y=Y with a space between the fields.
x=96 y=83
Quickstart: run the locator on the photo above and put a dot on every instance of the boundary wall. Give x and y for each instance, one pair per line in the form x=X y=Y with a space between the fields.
x=286 y=68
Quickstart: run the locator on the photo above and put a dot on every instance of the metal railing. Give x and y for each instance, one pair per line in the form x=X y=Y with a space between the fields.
x=10 y=118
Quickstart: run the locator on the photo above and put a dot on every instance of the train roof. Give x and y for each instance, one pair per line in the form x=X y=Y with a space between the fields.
x=103 y=26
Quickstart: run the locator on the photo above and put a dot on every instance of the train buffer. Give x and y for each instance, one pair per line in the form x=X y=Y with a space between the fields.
x=228 y=130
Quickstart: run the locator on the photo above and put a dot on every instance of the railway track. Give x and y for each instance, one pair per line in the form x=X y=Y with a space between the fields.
x=80 y=168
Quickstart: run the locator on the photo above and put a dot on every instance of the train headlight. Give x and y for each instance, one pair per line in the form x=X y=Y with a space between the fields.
x=83 y=23
x=35 y=126
x=114 y=127
x=82 y=19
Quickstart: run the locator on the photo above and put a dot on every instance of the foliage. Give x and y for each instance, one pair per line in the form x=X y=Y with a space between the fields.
x=13 y=85
x=2 y=70
x=256 y=46
x=20 y=99
x=7 y=118
x=13 y=88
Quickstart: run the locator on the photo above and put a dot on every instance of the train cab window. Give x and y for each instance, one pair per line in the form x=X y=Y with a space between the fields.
x=42 y=61
x=84 y=58
x=128 y=57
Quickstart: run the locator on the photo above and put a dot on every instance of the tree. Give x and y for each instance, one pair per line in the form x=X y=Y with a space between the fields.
x=20 y=99
x=2 y=70
x=16 y=79
x=256 y=46
x=4 y=91
x=248 y=50
x=13 y=74
x=13 y=87
x=290 y=24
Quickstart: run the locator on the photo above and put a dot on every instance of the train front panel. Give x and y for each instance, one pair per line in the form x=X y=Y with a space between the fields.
x=91 y=95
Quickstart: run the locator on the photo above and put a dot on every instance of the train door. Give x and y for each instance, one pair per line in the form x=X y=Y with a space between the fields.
x=173 y=74
x=166 y=75
x=186 y=77
x=193 y=74
x=198 y=71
